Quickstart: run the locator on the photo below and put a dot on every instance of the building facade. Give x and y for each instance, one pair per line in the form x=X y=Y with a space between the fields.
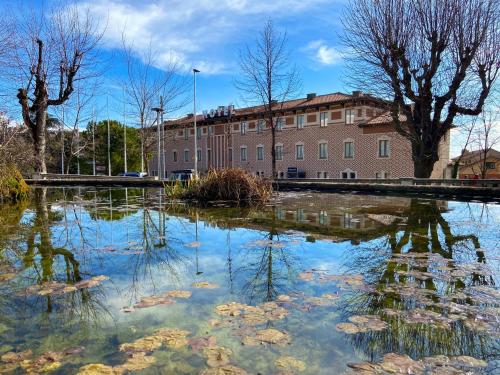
x=474 y=164
x=326 y=136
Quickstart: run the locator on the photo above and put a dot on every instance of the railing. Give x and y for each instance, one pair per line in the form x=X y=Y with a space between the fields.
x=56 y=176
x=401 y=181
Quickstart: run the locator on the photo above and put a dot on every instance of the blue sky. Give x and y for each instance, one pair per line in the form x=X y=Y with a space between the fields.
x=208 y=35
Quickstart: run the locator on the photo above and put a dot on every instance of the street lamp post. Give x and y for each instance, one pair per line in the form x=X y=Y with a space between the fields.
x=195 y=130
x=158 y=111
x=109 y=136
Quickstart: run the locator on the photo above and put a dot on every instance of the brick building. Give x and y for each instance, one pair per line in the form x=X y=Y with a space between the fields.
x=326 y=136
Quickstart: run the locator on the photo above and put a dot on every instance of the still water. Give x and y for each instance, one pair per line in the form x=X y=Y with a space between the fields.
x=118 y=281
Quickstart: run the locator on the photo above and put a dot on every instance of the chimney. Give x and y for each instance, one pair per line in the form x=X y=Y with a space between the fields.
x=311 y=96
x=357 y=93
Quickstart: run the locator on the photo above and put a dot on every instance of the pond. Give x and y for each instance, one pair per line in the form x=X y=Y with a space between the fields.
x=116 y=281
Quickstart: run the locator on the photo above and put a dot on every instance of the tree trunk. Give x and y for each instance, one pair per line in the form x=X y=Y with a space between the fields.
x=273 y=147
x=424 y=157
x=423 y=167
x=39 y=140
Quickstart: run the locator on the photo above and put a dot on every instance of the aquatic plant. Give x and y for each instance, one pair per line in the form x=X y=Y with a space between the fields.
x=233 y=185
x=12 y=184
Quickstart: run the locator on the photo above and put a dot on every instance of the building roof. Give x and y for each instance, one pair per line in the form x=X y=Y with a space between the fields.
x=476 y=156
x=290 y=105
x=382 y=118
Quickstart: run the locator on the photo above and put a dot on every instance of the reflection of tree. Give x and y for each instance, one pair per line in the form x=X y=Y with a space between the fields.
x=267 y=269
x=113 y=210
x=42 y=262
x=426 y=231
x=158 y=251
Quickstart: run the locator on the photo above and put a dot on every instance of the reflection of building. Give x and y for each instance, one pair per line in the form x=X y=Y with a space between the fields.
x=474 y=163
x=326 y=136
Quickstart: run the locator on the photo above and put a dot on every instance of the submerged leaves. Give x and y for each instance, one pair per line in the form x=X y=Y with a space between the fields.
x=162 y=299
x=362 y=323
x=290 y=363
x=55 y=288
x=204 y=285
x=393 y=363
x=252 y=315
x=267 y=336
x=46 y=362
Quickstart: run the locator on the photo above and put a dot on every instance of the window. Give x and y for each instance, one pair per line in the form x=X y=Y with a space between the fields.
x=490 y=165
x=186 y=155
x=382 y=174
x=299 y=152
x=348 y=150
x=279 y=152
x=198 y=154
x=260 y=126
x=300 y=121
x=260 y=152
x=243 y=128
x=174 y=156
x=323 y=217
x=243 y=154
x=230 y=154
x=210 y=130
x=198 y=133
x=323 y=119
x=322 y=174
x=186 y=134
x=323 y=150
x=383 y=148
x=349 y=116
x=280 y=123
x=348 y=174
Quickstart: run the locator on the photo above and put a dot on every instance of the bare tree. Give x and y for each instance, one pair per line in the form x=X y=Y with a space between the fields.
x=466 y=130
x=53 y=49
x=486 y=137
x=432 y=60
x=268 y=78
x=144 y=84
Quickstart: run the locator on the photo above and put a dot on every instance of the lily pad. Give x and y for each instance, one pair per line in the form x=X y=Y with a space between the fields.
x=224 y=370
x=199 y=343
x=290 y=363
x=148 y=344
x=204 y=285
x=269 y=336
x=173 y=337
x=178 y=294
x=217 y=356
x=97 y=369
x=136 y=362
x=230 y=309
x=150 y=301
x=16 y=357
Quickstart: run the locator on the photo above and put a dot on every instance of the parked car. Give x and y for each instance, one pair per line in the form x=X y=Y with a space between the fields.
x=132 y=174
x=182 y=175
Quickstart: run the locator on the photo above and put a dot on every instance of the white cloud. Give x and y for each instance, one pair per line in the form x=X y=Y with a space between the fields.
x=194 y=32
x=320 y=52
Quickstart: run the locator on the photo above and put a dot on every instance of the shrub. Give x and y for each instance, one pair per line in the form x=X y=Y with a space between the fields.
x=233 y=185
x=12 y=184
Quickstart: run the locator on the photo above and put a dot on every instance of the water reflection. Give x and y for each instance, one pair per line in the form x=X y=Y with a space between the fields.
x=418 y=266
x=413 y=255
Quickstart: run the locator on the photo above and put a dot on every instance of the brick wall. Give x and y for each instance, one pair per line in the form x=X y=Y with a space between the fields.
x=365 y=164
